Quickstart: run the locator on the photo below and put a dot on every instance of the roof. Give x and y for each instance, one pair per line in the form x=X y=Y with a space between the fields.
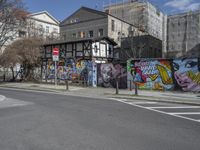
x=97 y=12
x=82 y=40
x=87 y=9
x=44 y=12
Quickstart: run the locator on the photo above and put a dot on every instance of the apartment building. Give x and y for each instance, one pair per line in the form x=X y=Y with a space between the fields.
x=42 y=24
x=87 y=23
x=142 y=14
x=183 y=34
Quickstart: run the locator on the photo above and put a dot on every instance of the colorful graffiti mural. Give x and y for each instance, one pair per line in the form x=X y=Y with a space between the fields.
x=73 y=70
x=151 y=74
x=163 y=74
x=186 y=74
x=107 y=74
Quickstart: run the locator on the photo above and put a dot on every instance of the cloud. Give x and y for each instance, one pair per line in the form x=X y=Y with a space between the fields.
x=183 y=5
x=194 y=6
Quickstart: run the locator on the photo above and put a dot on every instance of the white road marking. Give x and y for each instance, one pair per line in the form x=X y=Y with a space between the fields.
x=185 y=113
x=162 y=112
x=15 y=105
x=145 y=102
x=174 y=107
x=2 y=98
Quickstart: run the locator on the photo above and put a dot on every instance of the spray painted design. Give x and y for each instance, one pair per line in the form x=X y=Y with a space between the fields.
x=187 y=75
x=151 y=74
x=107 y=74
x=73 y=70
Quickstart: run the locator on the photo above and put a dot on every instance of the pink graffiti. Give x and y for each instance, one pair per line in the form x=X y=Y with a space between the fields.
x=186 y=83
x=143 y=77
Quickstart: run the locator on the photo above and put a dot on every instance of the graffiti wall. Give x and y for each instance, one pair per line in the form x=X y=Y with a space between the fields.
x=73 y=70
x=151 y=74
x=163 y=74
x=186 y=74
x=107 y=74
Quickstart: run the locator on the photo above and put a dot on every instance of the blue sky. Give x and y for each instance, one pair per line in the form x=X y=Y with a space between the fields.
x=60 y=9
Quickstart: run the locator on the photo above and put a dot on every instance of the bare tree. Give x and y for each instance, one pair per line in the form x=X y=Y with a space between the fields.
x=12 y=16
x=26 y=52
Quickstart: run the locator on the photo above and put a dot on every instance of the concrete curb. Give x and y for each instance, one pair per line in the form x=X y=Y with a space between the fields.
x=2 y=98
x=112 y=95
x=177 y=101
x=36 y=89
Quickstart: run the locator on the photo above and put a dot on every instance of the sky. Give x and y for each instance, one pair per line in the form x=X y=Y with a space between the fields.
x=61 y=9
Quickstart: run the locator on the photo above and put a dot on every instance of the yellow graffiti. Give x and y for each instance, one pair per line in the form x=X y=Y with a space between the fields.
x=153 y=77
x=194 y=77
x=166 y=79
x=157 y=86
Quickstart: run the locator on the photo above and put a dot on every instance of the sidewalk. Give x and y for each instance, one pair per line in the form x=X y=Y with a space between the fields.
x=176 y=97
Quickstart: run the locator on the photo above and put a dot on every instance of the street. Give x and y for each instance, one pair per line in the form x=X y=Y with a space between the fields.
x=31 y=120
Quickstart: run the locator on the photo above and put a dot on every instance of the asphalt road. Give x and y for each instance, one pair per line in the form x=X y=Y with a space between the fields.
x=41 y=121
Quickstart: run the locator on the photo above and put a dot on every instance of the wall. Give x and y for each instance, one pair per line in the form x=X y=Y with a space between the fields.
x=151 y=74
x=186 y=74
x=73 y=70
x=165 y=74
x=107 y=73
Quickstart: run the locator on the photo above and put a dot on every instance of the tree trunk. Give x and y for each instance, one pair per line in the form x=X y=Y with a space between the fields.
x=13 y=75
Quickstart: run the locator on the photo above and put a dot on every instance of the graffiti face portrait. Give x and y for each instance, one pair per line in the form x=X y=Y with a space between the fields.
x=186 y=74
x=106 y=73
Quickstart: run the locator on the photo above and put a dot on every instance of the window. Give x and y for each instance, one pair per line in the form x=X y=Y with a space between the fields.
x=81 y=34
x=55 y=30
x=47 y=29
x=40 y=28
x=64 y=36
x=74 y=35
x=100 y=32
x=90 y=34
x=22 y=34
x=113 y=25
x=74 y=20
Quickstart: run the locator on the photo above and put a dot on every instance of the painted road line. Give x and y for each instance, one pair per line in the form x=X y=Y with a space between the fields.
x=145 y=102
x=2 y=98
x=158 y=111
x=184 y=113
x=174 y=107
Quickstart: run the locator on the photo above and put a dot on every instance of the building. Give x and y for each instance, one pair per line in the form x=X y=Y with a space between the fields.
x=88 y=23
x=183 y=34
x=42 y=24
x=99 y=50
x=143 y=15
x=145 y=46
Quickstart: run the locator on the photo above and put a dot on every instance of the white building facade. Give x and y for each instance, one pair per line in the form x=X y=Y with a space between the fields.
x=43 y=25
x=39 y=25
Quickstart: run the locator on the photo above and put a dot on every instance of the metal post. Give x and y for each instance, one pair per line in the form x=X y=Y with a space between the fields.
x=130 y=85
x=67 y=84
x=136 y=88
x=117 y=86
x=55 y=74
